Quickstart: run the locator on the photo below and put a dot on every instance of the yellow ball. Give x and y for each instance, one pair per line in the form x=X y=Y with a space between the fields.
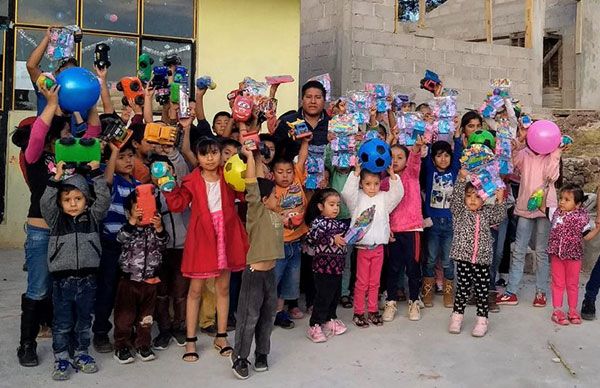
x=235 y=173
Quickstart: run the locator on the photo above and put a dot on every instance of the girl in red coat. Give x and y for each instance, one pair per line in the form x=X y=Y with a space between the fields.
x=216 y=241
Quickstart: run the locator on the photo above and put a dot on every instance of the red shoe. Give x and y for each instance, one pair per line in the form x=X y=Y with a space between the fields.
x=507 y=299
x=574 y=318
x=540 y=300
x=559 y=317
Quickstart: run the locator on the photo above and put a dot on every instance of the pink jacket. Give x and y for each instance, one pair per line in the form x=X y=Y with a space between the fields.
x=407 y=215
x=566 y=236
x=536 y=170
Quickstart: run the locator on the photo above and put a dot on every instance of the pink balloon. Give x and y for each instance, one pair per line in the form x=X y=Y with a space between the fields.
x=113 y=18
x=543 y=137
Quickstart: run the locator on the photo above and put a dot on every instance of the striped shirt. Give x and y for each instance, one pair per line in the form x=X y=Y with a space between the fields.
x=116 y=218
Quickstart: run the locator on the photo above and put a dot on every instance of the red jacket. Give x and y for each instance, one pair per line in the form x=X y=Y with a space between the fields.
x=200 y=249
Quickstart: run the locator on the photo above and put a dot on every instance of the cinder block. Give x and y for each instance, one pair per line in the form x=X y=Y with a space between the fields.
x=373 y=49
x=471 y=60
x=416 y=54
x=501 y=50
x=384 y=11
x=362 y=62
x=381 y=37
x=372 y=23
x=323 y=24
x=406 y=40
x=393 y=78
x=498 y=72
x=489 y=60
x=453 y=57
x=362 y=8
x=434 y=56
x=482 y=48
x=360 y=35
x=463 y=47
x=520 y=52
x=395 y=52
x=481 y=73
x=372 y=76
x=444 y=44
x=383 y=64
x=517 y=74
x=424 y=43
x=463 y=72
x=404 y=66
x=358 y=48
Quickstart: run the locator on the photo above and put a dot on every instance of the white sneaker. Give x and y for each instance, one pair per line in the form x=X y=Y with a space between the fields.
x=414 y=311
x=389 y=312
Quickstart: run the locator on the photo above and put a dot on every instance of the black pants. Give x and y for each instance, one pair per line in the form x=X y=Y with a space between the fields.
x=256 y=312
x=307 y=283
x=173 y=288
x=478 y=276
x=235 y=284
x=328 y=290
x=404 y=253
x=107 y=280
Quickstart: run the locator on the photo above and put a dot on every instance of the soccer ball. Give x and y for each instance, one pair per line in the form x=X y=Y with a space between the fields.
x=235 y=173
x=375 y=155
x=483 y=137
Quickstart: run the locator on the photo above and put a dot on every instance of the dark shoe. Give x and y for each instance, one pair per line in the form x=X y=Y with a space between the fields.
x=282 y=319
x=239 y=367
x=501 y=283
x=260 y=363
x=123 y=356
x=102 y=343
x=145 y=353
x=162 y=341
x=346 y=302
x=588 y=310
x=27 y=354
x=179 y=336
x=211 y=330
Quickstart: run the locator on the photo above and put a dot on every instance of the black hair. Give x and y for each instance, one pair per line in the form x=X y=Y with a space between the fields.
x=161 y=158
x=469 y=186
x=312 y=209
x=421 y=106
x=467 y=117
x=128 y=146
x=314 y=85
x=365 y=173
x=574 y=189
x=130 y=200
x=191 y=99
x=65 y=188
x=402 y=148
x=265 y=187
x=207 y=144
x=219 y=114
x=20 y=137
x=439 y=147
x=288 y=113
x=137 y=132
x=282 y=160
x=226 y=141
x=266 y=137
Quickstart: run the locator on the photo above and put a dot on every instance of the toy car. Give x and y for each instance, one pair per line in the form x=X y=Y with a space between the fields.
x=132 y=89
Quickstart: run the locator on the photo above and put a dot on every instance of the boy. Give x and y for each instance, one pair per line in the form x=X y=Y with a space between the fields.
x=73 y=259
x=258 y=294
x=229 y=147
x=440 y=168
x=220 y=122
x=268 y=142
x=136 y=293
x=143 y=149
x=118 y=175
x=291 y=202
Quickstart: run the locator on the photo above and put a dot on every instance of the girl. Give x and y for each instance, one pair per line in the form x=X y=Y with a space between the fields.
x=361 y=192
x=565 y=247
x=469 y=123
x=326 y=237
x=472 y=250
x=406 y=223
x=216 y=242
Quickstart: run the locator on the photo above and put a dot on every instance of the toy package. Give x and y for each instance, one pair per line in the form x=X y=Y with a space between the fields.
x=46 y=80
x=484 y=171
x=252 y=87
x=343 y=147
x=495 y=100
x=279 y=79
x=160 y=171
x=146 y=203
x=325 y=80
x=444 y=111
x=379 y=94
x=504 y=147
x=315 y=166
x=358 y=103
x=298 y=129
x=75 y=150
x=360 y=227
x=62 y=42
x=114 y=129
x=410 y=127
x=402 y=99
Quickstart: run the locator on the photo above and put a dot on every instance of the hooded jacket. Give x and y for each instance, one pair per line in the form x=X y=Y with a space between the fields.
x=74 y=243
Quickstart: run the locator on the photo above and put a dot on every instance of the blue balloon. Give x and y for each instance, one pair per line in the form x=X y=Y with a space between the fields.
x=375 y=155
x=79 y=89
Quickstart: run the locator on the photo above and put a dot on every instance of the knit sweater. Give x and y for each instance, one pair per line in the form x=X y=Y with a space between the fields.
x=472 y=240
x=328 y=257
x=566 y=235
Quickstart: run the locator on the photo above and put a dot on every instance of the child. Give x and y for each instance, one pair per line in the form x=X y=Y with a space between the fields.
x=268 y=142
x=220 y=122
x=258 y=294
x=440 y=167
x=73 y=260
x=216 y=242
x=326 y=236
x=362 y=191
x=140 y=260
x=143 y=149
x=118 y=175
x=537 y=171
x=472 y=250
x=291 y=202
x=406 y=223
x=229 y=147
x=588 y=306
x=565 y=247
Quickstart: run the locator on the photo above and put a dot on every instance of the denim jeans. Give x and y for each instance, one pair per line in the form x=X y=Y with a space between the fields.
x=439 y=241
x=73 y=299
x=36 y=257
x=107 y=286
x=593 y=284
x=287 y=272
x=498 y=239
x=525 y=228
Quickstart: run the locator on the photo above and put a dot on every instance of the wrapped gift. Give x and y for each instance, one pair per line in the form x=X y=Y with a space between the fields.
x=360 y=227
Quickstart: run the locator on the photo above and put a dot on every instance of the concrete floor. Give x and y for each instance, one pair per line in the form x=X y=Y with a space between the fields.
x=401 y=353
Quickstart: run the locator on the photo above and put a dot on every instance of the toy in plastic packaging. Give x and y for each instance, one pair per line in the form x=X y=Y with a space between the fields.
x=484 y=172
x=343 y=124
x=379 y=94
x=358 y=103
x=250 y=139
x=242 y=108
x=101 y=57
x=253 y=87
x=161 y=172
x=114 y=129
x=62 y=42
x=205 y=82
x=298 y=129
x=443 y=107
x=146 y=203
x=536 y=199
x=279 y=79
x=325 y=80
x=400 y=100
x=132 y=90
x=430 y=81
x=160 y=83
x=410 y=127
x=157 y=133
x=145 y=63
x=360 y=227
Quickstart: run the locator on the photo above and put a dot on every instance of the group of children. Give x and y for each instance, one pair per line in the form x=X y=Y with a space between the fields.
x=101 y=257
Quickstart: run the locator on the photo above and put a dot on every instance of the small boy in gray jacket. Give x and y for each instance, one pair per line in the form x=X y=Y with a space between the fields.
x=73 y=259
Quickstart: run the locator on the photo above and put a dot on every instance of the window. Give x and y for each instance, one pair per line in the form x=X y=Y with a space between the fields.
x=408 y=10
x=129 y=27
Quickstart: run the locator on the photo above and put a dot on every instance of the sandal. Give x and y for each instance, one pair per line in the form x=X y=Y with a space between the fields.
x=574 y=318
x=224 y=351
x=375 y=319
x=346 y=302
x=559 y=317
x=194 y=355
x=360 y=321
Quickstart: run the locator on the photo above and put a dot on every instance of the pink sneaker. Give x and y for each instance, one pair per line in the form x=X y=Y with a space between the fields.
x=481 y=326
x=455 y=323
x=315 y=334
x=334 y=327
x=296 y=313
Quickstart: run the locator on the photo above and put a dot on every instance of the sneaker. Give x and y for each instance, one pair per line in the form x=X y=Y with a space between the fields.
x=540 y=299
x=211 y=330
x=360 y=321
x=145 y=353
x=334 y=327
x=315 y=334
x=507 y=299
x=282 y=319
x=61 y=370
x=414 y=311
x=480 y=328
x=455 y=325
x=260 y=363
x=574 y=318
x=296 y=313
x=239 y=367
x=588 y=310
x=102 y=343
x=123 y=356
x=162 y=341
x=179 y=336
x=559 y=317
x=85 y=363
x=27 y=354
x=389 y=312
